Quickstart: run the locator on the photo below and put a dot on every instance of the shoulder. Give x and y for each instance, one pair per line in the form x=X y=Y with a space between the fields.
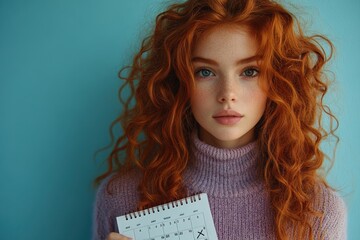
x=329 y=201
x=116 y=195
x=332 y=205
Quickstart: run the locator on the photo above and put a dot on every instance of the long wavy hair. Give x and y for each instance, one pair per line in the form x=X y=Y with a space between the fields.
x=157 y=121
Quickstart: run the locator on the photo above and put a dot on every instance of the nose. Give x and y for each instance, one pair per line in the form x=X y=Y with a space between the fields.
x=226 y=92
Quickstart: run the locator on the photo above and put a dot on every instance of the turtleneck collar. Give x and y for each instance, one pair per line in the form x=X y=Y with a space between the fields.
x=223 y=172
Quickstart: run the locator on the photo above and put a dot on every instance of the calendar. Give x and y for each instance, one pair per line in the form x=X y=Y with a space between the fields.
x=185 y=219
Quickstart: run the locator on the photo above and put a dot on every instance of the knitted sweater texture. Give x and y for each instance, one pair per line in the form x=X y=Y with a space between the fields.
x=239 y=202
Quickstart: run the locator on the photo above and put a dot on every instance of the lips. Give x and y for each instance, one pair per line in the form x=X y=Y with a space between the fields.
x=228 y=117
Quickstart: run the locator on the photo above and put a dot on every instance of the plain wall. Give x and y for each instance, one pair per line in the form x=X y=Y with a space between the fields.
x=58 y=94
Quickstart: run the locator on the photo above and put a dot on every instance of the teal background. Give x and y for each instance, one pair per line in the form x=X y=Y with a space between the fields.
x=58 y=94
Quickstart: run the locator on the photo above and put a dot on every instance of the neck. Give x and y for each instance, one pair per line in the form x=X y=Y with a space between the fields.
x=223 y=172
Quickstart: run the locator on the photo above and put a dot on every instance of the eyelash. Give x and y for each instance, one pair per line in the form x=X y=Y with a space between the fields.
x=255 y=72
x=198 y=72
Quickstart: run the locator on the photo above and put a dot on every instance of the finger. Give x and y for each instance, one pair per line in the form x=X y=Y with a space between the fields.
x=117 y=236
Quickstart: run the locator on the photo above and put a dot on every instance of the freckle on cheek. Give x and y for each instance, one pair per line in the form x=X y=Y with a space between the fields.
x=199 y=94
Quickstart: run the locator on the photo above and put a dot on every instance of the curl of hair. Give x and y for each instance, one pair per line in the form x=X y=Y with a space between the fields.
x=289 y=134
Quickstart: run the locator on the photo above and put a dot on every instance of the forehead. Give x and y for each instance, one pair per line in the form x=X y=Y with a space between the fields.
x=225 y=41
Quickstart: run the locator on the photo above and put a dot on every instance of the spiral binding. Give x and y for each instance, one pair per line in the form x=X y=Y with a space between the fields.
x=163 y=207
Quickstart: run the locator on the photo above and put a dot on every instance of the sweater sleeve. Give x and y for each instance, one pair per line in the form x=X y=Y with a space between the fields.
x=335 y=216
x=102 y=225
x=121 y=199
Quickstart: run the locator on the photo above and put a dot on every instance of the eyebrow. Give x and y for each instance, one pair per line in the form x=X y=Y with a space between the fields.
x=213 y=62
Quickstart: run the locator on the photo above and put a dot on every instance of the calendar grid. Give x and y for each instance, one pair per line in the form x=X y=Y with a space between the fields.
x=196 y=229
x=185 y=219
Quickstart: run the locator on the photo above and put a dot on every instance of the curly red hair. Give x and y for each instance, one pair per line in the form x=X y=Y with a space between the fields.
x=157 y=129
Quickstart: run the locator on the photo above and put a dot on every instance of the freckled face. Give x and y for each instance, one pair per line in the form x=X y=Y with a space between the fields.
x=227 y=101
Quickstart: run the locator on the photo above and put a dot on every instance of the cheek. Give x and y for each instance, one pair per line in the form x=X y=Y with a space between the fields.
x=259 y=101
x=199 y=101
x=199 y=96
x=255 y=99
x=254 y=94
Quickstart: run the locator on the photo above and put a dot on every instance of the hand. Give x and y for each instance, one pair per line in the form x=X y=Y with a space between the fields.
x=116 y=236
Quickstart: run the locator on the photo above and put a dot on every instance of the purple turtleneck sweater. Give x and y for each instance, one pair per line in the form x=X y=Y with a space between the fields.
x=239 y=203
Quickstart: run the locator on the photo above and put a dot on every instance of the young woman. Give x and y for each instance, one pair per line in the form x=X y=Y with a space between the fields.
x=228 y=102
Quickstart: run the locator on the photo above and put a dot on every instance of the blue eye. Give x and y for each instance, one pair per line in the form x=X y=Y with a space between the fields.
x=250 y=72
x=204 y=73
